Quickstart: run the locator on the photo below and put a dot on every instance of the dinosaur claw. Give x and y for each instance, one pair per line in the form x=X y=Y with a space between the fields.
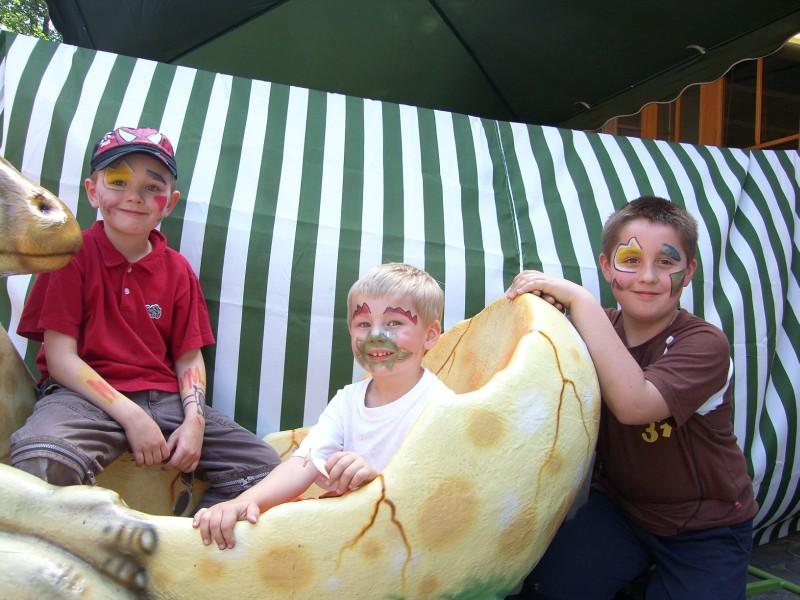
x=148 y=539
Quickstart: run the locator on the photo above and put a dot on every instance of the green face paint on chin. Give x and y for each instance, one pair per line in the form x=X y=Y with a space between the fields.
x=369 y=351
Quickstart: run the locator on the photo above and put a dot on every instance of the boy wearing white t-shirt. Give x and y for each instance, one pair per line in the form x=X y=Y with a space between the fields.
x=394 y=317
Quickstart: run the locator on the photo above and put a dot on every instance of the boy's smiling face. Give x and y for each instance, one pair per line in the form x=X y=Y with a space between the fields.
x=648 y=270
x=387 y=336
x=133 y=194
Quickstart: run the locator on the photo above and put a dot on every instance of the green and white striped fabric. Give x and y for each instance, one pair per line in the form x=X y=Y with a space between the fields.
x=290 y=194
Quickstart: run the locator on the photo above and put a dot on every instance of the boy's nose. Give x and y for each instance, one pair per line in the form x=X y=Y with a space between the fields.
x=135 y=195
x=648 y=272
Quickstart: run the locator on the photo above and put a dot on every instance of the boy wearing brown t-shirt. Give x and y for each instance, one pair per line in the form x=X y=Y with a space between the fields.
x=671 y=487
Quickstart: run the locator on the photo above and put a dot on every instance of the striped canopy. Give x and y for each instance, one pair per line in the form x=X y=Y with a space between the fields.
x=290 y=194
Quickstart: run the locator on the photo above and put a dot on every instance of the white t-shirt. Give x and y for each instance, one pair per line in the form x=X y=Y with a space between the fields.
x=375 y=433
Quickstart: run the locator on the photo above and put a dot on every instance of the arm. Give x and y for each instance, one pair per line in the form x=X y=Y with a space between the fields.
x=629 y=396
x=286 y=482
x=144 y=436
x=186 y=441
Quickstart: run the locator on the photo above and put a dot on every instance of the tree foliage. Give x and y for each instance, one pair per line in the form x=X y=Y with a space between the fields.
x=29 y=17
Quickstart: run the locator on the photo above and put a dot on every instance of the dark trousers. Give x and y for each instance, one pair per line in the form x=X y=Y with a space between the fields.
x=597 y=552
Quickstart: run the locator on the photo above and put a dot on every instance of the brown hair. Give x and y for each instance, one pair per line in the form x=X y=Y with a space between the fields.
x=655 y=210
x=402 y=280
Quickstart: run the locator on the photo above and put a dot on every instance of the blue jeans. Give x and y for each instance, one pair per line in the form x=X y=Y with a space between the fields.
x=597 y=552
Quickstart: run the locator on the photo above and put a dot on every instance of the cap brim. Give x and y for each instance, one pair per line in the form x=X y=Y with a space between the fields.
x=109 y=156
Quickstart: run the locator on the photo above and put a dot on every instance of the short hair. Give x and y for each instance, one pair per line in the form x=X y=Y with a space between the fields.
x=402 y=280
x=655 y=210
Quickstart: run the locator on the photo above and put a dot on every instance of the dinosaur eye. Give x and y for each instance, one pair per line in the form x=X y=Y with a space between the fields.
x=42 y=204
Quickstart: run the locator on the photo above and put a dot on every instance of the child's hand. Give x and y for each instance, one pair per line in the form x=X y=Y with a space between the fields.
x=349 y=471
x=184 y=446
x=218 y=521
x=145 y=439
x=559 y=292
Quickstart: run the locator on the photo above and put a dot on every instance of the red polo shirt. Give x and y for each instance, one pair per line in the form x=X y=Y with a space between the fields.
x=131 y=320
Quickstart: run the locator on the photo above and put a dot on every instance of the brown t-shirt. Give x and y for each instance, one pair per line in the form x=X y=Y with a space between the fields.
x=685 y=472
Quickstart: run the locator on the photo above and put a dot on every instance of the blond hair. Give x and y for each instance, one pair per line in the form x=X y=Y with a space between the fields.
x=399 y=280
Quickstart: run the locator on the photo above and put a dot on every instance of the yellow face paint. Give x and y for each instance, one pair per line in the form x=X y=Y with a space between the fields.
x=118 y=177
x=628 y=257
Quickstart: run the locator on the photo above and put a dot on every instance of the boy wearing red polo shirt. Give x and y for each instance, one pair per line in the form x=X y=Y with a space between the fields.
x=122 y=325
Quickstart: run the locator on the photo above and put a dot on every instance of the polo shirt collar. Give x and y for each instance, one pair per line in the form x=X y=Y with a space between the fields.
x=113 y=257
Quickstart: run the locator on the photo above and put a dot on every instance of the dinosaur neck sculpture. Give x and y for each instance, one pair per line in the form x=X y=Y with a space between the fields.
x=37 y=233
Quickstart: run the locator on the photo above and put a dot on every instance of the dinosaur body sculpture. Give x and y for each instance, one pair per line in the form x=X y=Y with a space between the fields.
x=465 y=508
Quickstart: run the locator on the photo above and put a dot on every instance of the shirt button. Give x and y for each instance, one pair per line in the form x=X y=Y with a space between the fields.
x=130 y=269
x=127 y=291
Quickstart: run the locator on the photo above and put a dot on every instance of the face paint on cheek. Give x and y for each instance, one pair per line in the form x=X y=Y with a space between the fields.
x=676 y=282
x=616 y=284
x=380 y=351
x=625 y=253
x=161 y=202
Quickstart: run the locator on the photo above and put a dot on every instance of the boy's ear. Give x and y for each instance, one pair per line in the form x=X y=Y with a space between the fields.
x=90 y=186
x=174 y=197
x=690 y=269
x=432 y=334
x=605 y=266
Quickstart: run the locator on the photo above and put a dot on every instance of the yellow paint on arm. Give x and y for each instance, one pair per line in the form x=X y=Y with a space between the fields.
x=99 y=387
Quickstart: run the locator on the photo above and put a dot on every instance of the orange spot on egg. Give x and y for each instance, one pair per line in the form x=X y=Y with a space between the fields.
x=517 y=536
x=485 y=428
x=286 y=569
x=448 y=513
x=371 y=549
x=428 y=586
x=211 y=569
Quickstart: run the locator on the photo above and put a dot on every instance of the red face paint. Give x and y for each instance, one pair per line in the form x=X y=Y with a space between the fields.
x=401 y=311
x=361 y=309
x=161 y=201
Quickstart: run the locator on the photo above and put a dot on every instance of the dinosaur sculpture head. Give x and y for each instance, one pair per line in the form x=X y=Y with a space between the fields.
x=37 y=231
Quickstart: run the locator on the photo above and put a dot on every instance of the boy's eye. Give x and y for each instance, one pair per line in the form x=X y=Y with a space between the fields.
x=394 y=323
x=119 y=183
x=153 y=188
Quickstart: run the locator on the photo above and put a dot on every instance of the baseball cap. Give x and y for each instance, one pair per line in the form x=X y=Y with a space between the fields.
x=127 y=140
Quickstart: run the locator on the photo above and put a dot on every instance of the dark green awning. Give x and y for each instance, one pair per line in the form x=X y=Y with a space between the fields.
x=573 y=63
